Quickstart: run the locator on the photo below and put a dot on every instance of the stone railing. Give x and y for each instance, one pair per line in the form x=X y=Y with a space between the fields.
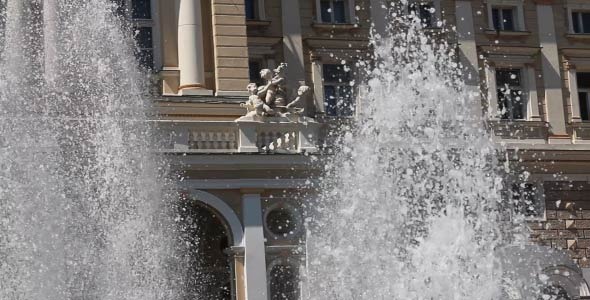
x=240 y=137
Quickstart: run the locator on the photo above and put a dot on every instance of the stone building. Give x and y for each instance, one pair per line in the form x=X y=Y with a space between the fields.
x=529 y=58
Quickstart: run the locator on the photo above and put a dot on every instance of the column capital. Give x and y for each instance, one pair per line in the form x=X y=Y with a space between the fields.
x=544 y=2
x=250 y=191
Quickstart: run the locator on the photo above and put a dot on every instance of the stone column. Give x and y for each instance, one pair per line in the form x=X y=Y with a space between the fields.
x=254 y=254
x=190 y=49
x=379 y=16
x=50 y=40
x=468 y=52
x=551 y=76
x=292 y=44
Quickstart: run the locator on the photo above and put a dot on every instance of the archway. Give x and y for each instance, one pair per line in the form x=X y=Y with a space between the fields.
x=207 y=240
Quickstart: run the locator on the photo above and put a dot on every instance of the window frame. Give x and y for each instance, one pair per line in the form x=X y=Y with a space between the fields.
x=135 y=23
x=572 y=6
x=294 y=262
x=517 y=9
x=501 y=23
x=349 y=12
x=585 y=118
x=579 y=21
x=436 y=16
x=523 y=95
x=259 y=11
x=538 y=193
x=337 y=84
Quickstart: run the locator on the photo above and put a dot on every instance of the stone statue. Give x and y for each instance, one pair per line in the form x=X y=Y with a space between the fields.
x=273 y=91
x=255 y=105
x=294 y=106
x=269 y=100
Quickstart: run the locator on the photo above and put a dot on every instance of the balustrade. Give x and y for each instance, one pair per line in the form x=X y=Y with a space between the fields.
x=240 y=137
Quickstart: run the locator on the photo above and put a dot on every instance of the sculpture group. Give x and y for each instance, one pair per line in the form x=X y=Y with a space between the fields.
x=270 y=99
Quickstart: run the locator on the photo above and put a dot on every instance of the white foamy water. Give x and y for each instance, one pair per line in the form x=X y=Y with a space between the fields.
x=84 y=201
x=411 y=204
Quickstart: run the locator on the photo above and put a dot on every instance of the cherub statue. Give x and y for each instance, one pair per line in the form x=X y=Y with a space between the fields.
x=273 y=91
x=302 y=97
x=255 y=105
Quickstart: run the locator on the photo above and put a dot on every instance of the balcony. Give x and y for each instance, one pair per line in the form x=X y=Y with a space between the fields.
x=240 y=137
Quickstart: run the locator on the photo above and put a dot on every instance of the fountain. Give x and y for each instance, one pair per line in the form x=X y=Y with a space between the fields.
x=412 y=204
x=84 y=200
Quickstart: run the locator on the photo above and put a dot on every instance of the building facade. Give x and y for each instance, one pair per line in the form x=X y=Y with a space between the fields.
x=530 y=59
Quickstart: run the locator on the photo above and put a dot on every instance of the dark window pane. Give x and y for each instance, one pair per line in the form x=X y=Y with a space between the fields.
x=525 y=200
x=254 y=68
x=330 y=100
x=120 y=9
x=143 y=37
x=583 y=80
x=250 y=10
x=576 y=22
x=335 y=73
x=586 y=22
x=345 y=104
x=326 y=11
x=141 y=9
x=517 y=104
x=284 y=283
x=426 y=15
x=496 y=18
x=508 y=77
x=503 y=108
x=146 y=58
x=508 y=19
x=339 y=12
x=583 y=96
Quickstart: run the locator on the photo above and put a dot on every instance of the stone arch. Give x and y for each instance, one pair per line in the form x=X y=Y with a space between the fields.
x=228 y=214
x=569 y=279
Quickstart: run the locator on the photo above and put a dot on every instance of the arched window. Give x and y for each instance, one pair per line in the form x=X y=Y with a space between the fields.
x=206 y=240
x=554 y=292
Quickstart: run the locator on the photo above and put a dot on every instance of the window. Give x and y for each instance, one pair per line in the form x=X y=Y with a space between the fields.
x=284 y=282
x=504 y=18
x=581 y=22
x=334 y=11
x=526 y=200
x=424 y=11
x=139 y=14
x=338 y=92
x=250 y=9
x=254 y=9
x=584 y=95
x=254 y=68
x=510 y=94
x=141 y=9
x=145 y=48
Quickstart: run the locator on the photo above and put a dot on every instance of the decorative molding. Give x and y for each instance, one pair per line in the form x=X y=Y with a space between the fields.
x=226 y=212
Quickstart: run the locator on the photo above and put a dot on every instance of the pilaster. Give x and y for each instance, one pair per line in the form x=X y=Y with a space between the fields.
x=254 y=254
x=293 y=44
x=551 y=75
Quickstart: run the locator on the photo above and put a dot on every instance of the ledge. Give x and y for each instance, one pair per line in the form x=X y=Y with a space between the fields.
x=578 y=36
x=507 y=33
x=335 y=26
x=581 y=132
x=519 y=130
x=258 y=23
